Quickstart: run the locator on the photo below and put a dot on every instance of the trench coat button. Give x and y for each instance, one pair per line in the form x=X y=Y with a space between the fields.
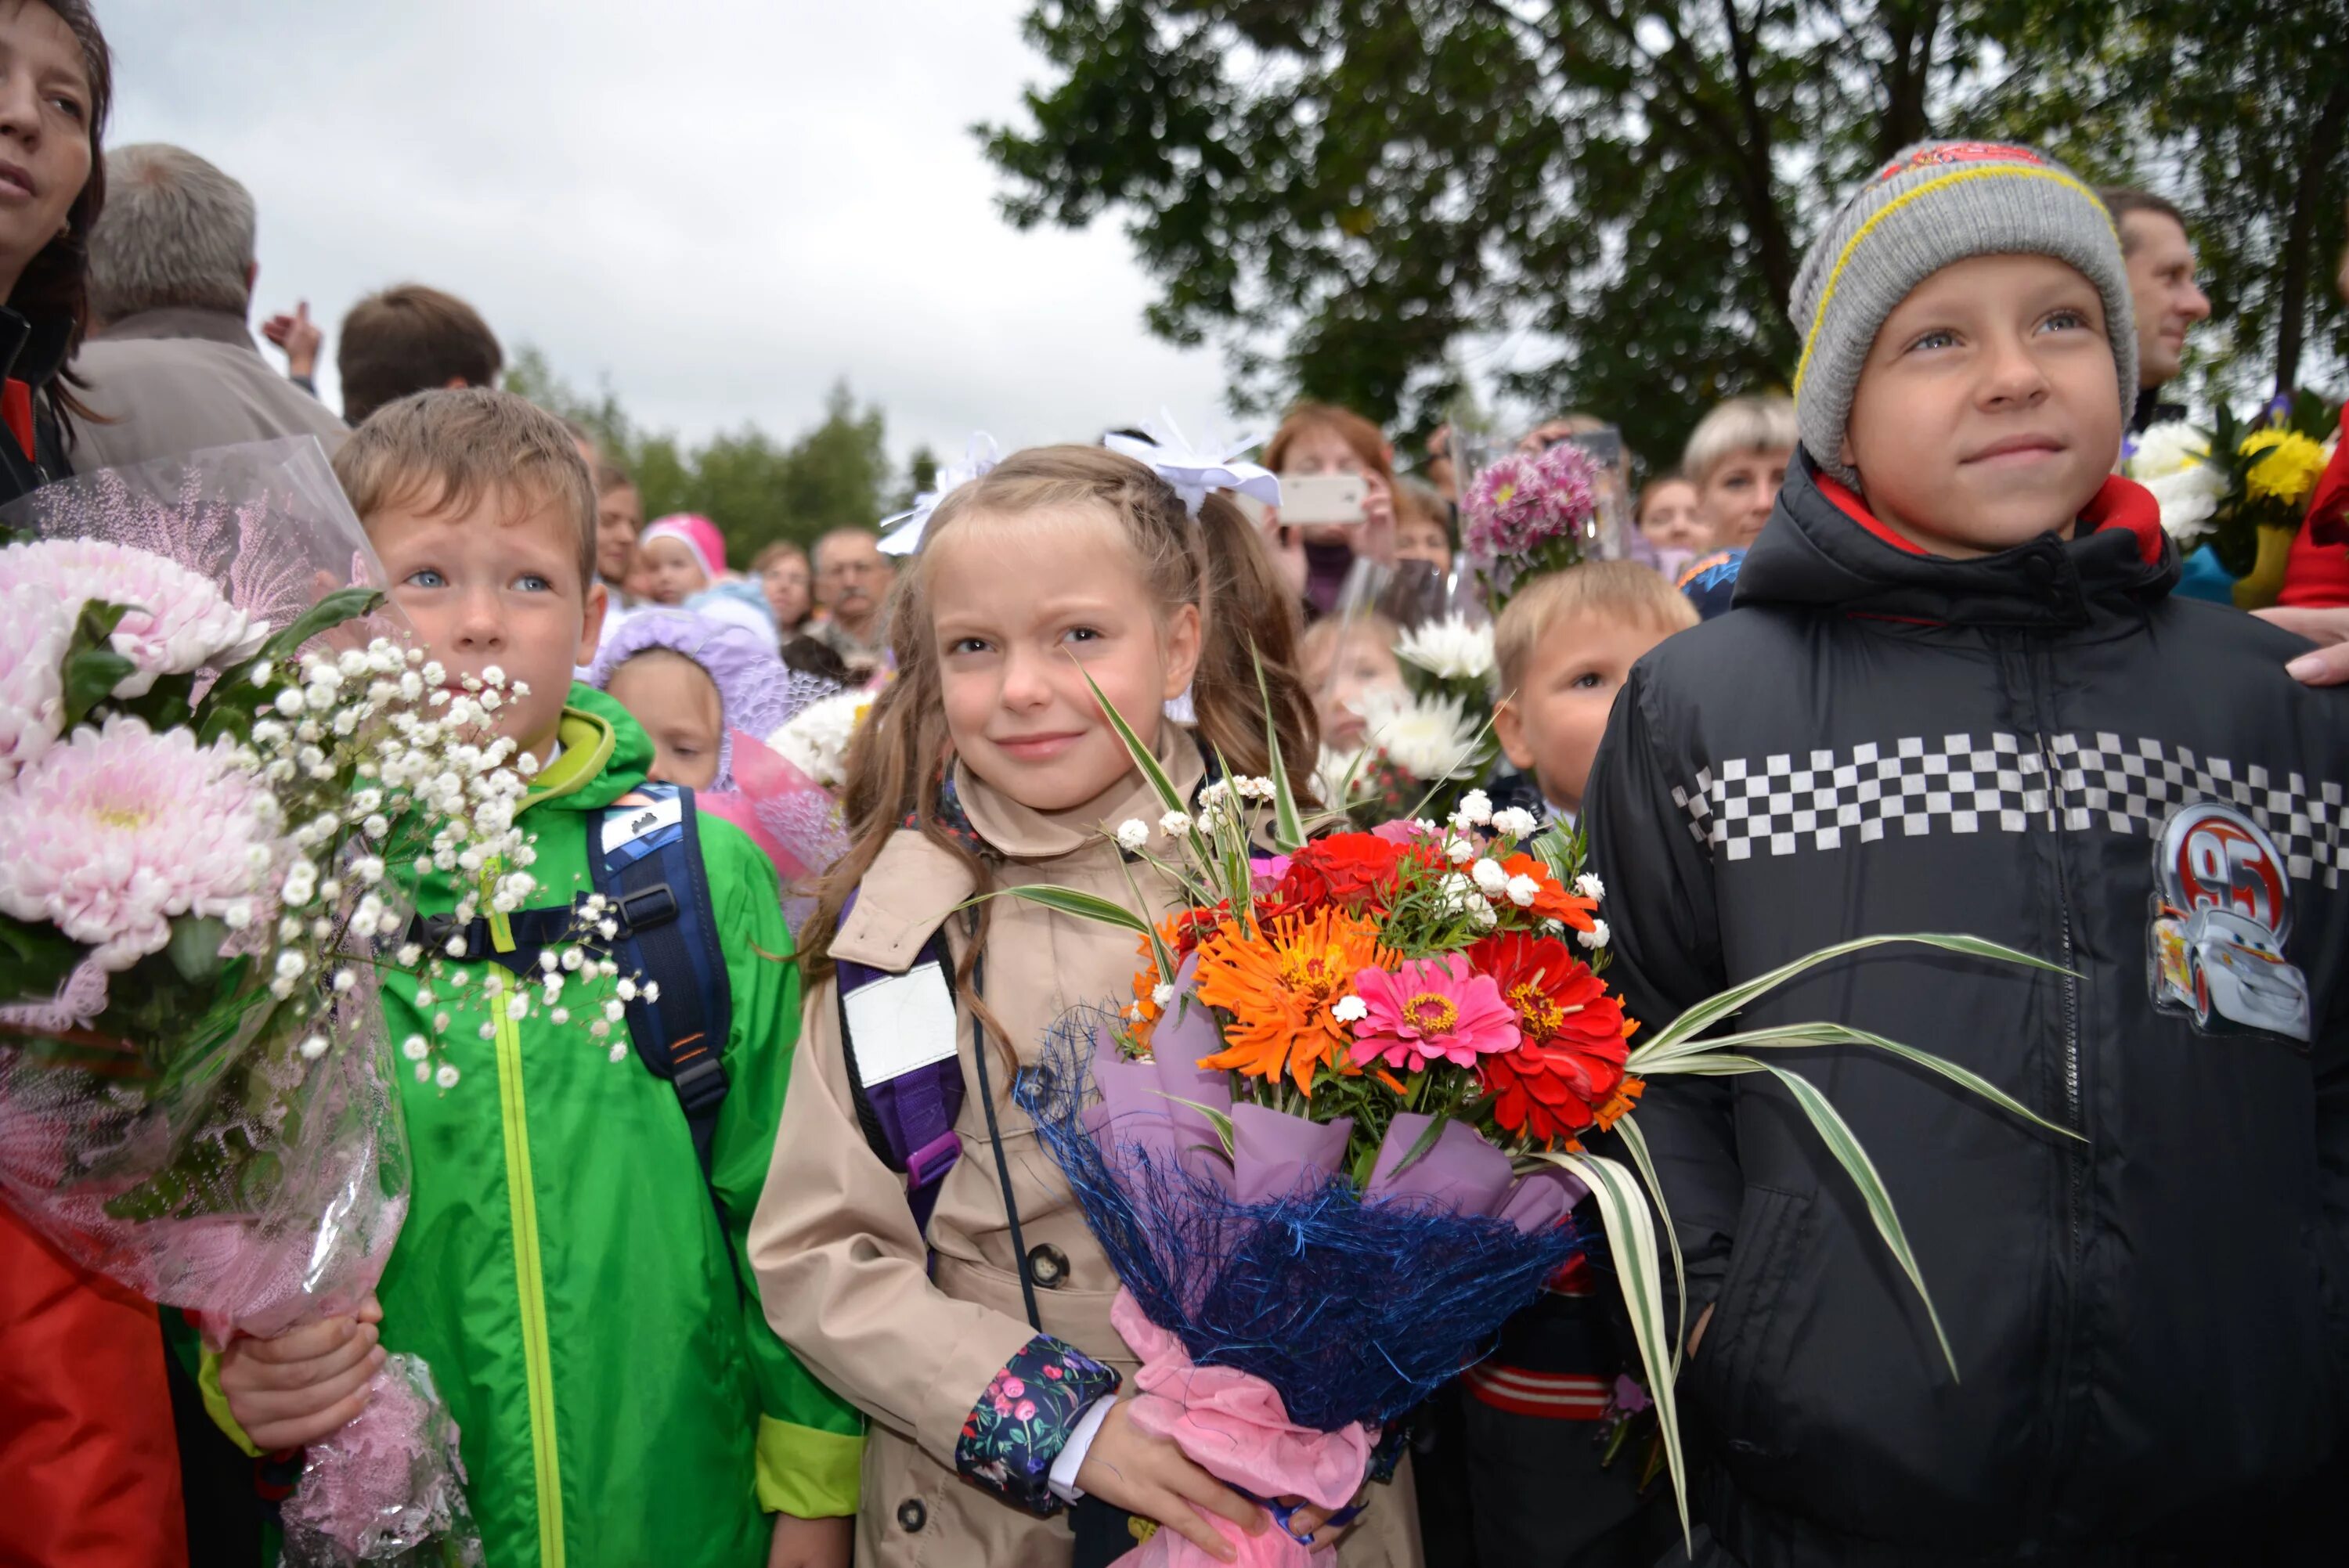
x=1047 y=1267
x=912 y=1515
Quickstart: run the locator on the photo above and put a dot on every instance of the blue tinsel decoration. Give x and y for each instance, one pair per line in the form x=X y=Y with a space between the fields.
x=1352 y=1311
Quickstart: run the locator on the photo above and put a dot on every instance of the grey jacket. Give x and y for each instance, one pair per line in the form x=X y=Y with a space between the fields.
x=174 y=381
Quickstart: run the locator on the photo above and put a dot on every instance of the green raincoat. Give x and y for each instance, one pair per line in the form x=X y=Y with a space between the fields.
x=563 y=1269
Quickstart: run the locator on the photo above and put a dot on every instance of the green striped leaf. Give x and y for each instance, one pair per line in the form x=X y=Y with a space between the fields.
x=1627 y=1128
x=1218 y=1120
x=1073 y=902
x=1712 y=1009
x=1144 y=758
x=1841 y=1143
x=1797 y=1035
x=1289 y=833
x=1631 y=1243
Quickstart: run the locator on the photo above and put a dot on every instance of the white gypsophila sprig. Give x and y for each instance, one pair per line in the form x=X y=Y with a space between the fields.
x=384 y=771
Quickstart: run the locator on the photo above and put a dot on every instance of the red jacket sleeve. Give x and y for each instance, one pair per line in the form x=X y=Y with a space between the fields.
x=2316 y=576
x=86 y=1436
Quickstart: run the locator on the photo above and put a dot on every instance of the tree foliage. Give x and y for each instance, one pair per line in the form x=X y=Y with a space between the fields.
x=1341 y=193
x=2239 y=111
x=834 y=474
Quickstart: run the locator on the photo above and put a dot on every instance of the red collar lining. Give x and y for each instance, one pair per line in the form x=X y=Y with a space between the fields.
x=2117 y=503
x=16 y=409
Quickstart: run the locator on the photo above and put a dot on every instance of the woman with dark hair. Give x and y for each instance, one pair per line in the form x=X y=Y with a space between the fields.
x=84 y=1411
x=55 y=85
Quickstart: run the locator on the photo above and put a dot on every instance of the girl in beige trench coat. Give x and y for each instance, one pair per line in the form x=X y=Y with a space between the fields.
x=1062 y=563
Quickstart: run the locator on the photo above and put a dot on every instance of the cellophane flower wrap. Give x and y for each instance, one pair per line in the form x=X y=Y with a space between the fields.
x=218 y=749
x=1424 y=748
x=1295 y=1142
x=1528 y=513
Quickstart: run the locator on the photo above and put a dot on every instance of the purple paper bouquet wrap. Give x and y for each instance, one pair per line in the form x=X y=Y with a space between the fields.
x=1354 y=1304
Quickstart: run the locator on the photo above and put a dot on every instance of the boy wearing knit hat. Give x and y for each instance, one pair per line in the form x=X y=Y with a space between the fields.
x=1960 y=697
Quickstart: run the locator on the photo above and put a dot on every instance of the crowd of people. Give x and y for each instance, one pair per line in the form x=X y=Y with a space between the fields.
x=1893 y=651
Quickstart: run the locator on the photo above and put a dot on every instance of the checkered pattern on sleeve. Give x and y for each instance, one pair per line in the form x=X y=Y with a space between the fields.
x=1793 y=803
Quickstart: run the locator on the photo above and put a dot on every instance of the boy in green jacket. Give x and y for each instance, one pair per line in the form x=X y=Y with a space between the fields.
x=585 y=1308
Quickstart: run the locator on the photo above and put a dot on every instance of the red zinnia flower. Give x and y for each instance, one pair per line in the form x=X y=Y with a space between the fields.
x=1356 y=871
x=1566 y=1077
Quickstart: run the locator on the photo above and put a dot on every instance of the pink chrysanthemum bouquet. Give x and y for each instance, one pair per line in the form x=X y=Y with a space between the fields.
x=206 y=800
x=1529 y=513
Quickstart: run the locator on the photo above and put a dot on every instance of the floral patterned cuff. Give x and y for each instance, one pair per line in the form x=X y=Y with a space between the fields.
x=1023 y=1422
x=1387 y=1452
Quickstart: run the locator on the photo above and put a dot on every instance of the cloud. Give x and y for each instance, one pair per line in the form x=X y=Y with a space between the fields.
x=722 y=206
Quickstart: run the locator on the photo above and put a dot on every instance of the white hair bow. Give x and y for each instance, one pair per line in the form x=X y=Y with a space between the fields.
x=902 y=533
x=1215 y=464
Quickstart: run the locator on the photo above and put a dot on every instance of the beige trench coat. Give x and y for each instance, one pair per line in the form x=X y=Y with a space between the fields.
x=841 y=1266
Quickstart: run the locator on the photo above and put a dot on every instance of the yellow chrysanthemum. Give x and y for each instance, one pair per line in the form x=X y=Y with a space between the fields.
x=2290 y=469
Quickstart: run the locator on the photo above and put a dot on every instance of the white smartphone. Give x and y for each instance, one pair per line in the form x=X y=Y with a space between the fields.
x=1321 y=498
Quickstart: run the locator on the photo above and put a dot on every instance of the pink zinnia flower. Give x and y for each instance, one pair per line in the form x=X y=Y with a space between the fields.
x=114 y=832
x=34 y=632
x=177 y=622
x=1429 y=1010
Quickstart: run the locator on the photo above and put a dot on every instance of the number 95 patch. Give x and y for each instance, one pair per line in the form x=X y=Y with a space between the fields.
x=2222 y=911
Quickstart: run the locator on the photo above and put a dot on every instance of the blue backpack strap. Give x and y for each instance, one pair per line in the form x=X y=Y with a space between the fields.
x=645 y=856
x=897 y=1034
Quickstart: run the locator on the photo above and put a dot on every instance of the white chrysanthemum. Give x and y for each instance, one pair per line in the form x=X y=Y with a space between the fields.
x=116 y=830
x=816 y=739
x=2189 y=499
x=34 y=631
x=1448 y=649
x=1133 y=834
x=178 y=621
x=1427 y=738
x=2169 y=448
x=1514 y=822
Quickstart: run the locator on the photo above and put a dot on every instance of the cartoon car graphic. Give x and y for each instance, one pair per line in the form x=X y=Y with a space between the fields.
x=2216 y=963
x=2220 y=918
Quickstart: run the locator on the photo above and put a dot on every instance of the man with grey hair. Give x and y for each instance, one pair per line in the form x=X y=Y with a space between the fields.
x=851 y=583
x=170 y=363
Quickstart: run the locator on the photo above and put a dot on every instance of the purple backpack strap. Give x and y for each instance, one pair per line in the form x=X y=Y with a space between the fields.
x=898 y=1035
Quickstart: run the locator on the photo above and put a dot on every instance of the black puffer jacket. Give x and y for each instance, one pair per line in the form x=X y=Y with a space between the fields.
x=32 y=350
x=2044 y=748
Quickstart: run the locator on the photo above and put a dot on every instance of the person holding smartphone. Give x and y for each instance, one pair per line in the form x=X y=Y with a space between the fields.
x=1337 y=489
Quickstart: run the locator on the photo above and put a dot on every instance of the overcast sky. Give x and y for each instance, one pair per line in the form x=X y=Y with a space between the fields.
x=723 y=205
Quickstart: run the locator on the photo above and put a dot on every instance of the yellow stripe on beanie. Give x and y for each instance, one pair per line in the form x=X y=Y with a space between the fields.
x=1843 y=259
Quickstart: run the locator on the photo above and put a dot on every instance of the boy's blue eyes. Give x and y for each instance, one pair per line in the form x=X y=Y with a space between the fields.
x=528 y=582
x=2061 y=320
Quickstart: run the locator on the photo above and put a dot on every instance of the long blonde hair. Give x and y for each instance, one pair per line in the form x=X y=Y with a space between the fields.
x=1248 y=622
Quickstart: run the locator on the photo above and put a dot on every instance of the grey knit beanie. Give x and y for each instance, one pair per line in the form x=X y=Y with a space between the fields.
x=1936 y=203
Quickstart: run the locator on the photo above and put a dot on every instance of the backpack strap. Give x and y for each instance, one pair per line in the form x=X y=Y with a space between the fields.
x=897 y=1035
x=645 y=856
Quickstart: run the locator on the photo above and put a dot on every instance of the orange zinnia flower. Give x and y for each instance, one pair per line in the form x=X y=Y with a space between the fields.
x=1553 y=902
x=1279 y=984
